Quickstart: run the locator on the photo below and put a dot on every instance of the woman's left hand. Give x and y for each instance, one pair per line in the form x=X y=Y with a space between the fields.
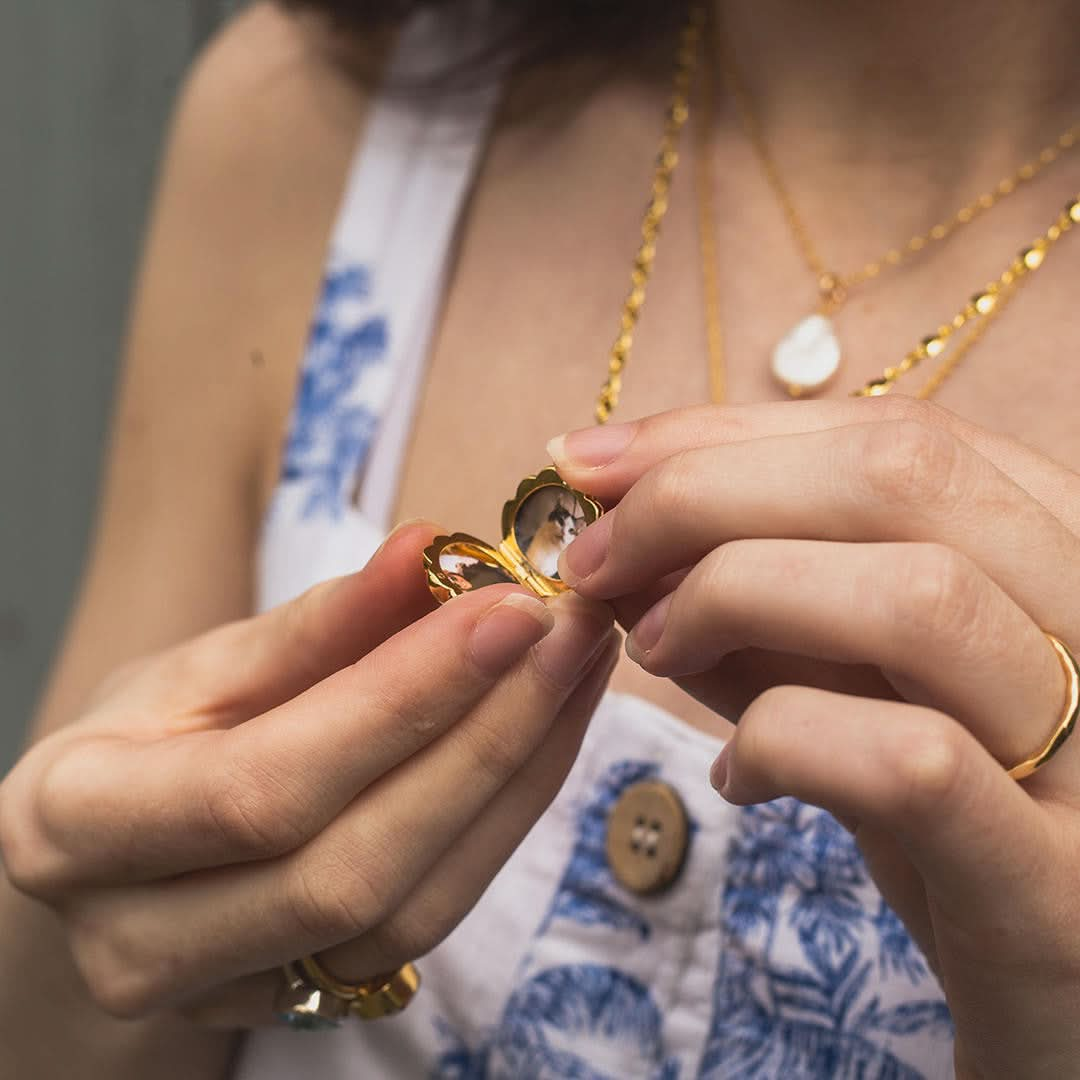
x=769 y=556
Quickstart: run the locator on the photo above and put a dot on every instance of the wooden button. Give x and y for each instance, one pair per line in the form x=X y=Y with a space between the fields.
x=648 y=833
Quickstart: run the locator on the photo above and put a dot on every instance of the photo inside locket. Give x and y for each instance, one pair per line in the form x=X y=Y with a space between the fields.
x=546 y=522
x=468 y=571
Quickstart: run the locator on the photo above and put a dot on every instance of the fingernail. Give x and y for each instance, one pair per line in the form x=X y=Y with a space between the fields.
x=401 y=526
x=507 y=631
x=591 y=448
x=587 y=553
x=718 y=774
x=646 y=633
x=581 y=627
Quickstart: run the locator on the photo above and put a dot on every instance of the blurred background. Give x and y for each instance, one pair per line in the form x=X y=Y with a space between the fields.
x=85 y=92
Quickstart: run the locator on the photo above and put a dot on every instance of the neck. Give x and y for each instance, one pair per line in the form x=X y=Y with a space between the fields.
x=927 y=73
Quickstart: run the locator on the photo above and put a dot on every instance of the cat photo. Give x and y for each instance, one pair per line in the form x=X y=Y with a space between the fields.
x=547 y=521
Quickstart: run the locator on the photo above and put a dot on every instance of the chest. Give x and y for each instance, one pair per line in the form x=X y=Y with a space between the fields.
x=543 y=267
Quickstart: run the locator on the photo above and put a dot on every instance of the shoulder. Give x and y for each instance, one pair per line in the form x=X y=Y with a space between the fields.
x=262 y=136
x=269 y=100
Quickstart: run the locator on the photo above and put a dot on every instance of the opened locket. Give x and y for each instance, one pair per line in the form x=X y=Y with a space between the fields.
x=543 y=517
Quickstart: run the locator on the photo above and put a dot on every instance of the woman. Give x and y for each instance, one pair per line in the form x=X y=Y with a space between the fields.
x=867 y=585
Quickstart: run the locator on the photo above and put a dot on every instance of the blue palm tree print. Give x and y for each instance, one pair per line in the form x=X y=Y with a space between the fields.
x=810 y=981
x=331 y=429
x=563 y=1022
x=808 y=1010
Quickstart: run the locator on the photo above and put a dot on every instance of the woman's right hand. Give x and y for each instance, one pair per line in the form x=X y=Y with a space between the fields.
x=345 y=773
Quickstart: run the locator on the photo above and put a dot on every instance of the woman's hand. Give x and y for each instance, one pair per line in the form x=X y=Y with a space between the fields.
x=348 y=770
x=771 y=555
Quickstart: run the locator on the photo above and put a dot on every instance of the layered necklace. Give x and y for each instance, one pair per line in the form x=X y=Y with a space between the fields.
x=545 y=514
x=809 y=356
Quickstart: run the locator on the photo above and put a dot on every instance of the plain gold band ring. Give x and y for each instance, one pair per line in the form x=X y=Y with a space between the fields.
x=1068 y=717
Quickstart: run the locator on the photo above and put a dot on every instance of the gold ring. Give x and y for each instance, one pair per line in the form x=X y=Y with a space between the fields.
x=381 y=995
x=1068 y=716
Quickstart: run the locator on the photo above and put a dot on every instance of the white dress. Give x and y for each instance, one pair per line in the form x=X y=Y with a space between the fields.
x=771 y=956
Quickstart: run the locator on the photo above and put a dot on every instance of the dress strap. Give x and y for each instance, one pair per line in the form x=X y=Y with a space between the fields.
x=400 y=215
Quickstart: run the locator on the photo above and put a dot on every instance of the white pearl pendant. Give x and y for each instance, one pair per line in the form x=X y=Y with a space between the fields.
x=808 y=357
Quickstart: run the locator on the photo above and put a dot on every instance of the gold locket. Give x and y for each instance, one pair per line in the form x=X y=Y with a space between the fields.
x=541 y=520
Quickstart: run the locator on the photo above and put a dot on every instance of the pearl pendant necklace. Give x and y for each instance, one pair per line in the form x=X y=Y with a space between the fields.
x=808 y=356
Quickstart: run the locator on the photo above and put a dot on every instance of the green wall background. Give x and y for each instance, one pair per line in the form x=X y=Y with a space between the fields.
x=85 y=92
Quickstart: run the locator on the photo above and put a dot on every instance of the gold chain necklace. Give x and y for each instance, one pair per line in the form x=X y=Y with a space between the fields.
x=808 y=357
x=545 y=514
x=980 y=311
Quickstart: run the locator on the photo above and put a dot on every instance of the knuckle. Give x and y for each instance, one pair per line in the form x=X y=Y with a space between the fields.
x=491 y=751
x=725 y=566
x=940 y=596
x=671 y=485
x=252 y=810
x=23 y=865
x=123 y=995
x=764 y=726
x=339 y=898
x=909 y=463
x=33 y=865
x=299 y=620
x=122 y=979
x=927 y=767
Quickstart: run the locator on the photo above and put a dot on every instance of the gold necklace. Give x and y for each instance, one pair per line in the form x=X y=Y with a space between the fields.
x=979 y=311
x=808 y=356
x=545 y=513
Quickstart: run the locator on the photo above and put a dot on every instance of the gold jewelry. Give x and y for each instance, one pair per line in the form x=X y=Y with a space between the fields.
x=305 y=1007
x=1068 y=716
x=980 y=311
x=314 y=999
x=371 y=998
x=666 y=160
x=808 y=356
x=541 y=519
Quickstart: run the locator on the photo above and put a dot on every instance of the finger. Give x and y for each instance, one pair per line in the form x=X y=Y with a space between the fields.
x=900 y=885
x=250 y=1002
x=945 y=635
x=606 y=461
x=242 y=669
x=148 y=945
x=453 y=885
x=459 y=878
x=111 y=810
x=973 y=833
x=868 y=482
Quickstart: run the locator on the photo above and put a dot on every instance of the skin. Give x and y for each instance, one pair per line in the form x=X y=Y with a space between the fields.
x=239 y=236
x=913 y=544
